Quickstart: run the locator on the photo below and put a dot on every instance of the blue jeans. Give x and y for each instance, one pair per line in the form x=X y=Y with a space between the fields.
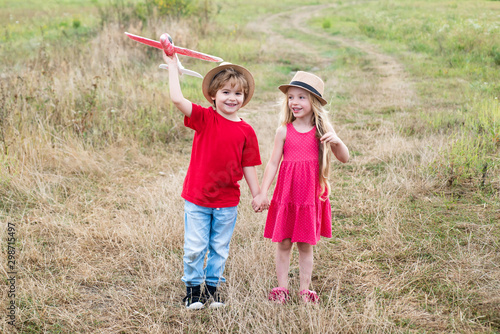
x=206 y=229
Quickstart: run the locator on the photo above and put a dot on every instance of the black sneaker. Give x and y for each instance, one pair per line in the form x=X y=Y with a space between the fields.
x=211 y=292
x=193 y=298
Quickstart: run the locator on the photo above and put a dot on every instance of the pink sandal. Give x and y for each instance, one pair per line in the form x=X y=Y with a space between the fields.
x=279 y=295
x=309 y=296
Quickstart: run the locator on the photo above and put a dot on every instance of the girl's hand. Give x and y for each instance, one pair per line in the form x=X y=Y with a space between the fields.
x=337 y=146
x=265 y=205
x=330 y=137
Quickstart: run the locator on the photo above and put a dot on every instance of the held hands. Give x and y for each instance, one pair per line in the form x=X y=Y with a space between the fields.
x=260 y=203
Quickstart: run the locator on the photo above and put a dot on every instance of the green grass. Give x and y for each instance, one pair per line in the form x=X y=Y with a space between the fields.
x=25 y=18
x=458 y=39
x=452 y=50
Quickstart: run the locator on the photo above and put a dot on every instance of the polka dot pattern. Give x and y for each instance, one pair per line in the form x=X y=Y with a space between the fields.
x=296 y=212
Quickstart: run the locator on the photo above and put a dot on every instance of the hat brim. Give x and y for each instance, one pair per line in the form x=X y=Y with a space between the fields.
x=284 y=89
x=214 y=71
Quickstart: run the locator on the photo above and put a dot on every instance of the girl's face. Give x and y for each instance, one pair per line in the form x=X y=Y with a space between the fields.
x=228 y=101
x=299 y=102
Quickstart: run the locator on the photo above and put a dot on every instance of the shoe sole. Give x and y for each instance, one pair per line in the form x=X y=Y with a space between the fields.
x=195 y=306
x=216 y=305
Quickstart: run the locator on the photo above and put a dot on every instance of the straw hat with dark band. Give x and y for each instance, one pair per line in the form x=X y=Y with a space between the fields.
x=309 y=82
x=214 y=71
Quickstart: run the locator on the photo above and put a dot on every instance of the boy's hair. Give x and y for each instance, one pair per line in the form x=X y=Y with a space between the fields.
x=230 y=75
x=322 y=125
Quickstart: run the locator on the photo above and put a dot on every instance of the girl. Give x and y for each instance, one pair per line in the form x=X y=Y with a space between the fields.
x=300 y=210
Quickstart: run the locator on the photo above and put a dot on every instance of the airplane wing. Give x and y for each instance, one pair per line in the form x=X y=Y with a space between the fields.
x=181 y=51
x=196 y=54
x=144 y=40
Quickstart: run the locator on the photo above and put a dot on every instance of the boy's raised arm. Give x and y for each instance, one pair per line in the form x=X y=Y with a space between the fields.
x=183 y=104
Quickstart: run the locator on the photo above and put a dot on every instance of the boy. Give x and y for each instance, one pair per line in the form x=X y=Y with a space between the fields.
x=225 y=149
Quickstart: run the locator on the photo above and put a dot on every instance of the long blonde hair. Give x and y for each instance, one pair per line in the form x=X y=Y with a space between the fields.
x=322 y=125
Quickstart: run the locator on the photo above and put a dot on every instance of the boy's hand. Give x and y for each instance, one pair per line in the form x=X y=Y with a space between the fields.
x=169 y=60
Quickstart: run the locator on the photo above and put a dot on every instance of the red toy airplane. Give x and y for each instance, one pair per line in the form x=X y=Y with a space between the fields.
x=166 y=44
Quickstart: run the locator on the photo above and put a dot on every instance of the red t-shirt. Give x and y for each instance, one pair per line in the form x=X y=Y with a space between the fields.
x=221 y=148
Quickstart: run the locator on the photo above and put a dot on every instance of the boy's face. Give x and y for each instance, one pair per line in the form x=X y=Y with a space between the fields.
x=228 y=101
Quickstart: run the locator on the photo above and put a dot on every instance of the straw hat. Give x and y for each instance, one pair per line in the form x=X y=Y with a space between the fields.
x=216 y=70
x=308 y=81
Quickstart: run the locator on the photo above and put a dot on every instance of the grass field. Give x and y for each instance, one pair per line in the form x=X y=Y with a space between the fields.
x=93 y=155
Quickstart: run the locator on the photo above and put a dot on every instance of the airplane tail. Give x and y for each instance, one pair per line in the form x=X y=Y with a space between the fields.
x=192 y=73
x=184 y=71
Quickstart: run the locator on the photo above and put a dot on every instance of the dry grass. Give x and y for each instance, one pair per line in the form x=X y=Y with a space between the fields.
x=99 y=218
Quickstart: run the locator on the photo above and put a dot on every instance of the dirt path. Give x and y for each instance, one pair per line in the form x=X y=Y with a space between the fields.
x=393 y=88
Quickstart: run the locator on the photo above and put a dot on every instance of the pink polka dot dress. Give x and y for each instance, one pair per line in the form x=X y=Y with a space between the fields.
x=296 y=211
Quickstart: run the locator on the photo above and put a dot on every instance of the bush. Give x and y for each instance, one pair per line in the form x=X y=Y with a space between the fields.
x=327 y=24
x=177 y=8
